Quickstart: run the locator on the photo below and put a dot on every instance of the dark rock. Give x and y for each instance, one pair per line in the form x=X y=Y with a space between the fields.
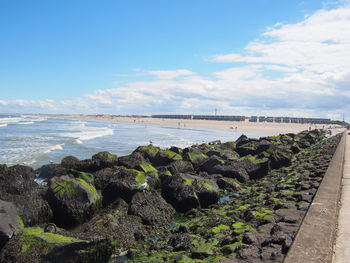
x=33 y=245
x=288 y=215
x=279 y=158
x=123 y=183
x=105 y=159
x=303 y=206
x=103 y=177
x=132 y=161
x=180 y=242
x=178 y=192
x=73 y=200
x=250 y=238
x=248 y=252
x=228 y=184
x=152 y=208
x=206 y=192
x=271 y=253
x=242 y=140
x=165 y=157
x=17 y=185
x=9 y=222
x=287 y=243
x=88 y=165
x=149 y=152
x=181 y=166
x=51 y=170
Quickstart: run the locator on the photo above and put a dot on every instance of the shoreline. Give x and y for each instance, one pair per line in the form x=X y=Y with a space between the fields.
x=262 y=128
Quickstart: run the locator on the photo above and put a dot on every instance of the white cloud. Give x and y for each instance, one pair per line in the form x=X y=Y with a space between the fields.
x=170 y=74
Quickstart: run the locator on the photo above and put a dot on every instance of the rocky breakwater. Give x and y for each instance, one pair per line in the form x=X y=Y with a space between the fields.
x=237 y=201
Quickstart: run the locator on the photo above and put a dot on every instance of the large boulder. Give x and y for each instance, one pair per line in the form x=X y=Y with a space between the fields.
x=187 y=191
x=120 y=230
x=34 y=245
x=179 y=193
x=233 y=169
x=17 y=185
x=165 y=157
x=10 y=222
x=149 y=152
x=88 y=165
x=181 y=166
x=51 y=170
x=124 y=183
x=73 y=200
x=105 y=159
x=195 y=156
x=152 y=208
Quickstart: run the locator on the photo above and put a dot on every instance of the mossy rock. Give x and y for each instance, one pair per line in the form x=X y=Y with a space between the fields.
x=196 y=158
x=147 y=168
x=148 y=151
x=34 y=245
x=166 y=157
x=73 y=200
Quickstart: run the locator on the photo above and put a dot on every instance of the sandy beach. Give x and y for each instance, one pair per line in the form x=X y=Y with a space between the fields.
x=263 y=128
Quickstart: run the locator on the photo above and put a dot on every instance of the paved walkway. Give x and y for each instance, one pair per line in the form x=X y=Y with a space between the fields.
x=342 y=243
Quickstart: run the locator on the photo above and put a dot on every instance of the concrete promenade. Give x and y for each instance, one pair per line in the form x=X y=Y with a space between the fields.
x=314 y=242
x=342 y=242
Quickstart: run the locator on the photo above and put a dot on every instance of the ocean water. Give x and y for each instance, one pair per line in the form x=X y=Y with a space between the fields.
x=36 y=141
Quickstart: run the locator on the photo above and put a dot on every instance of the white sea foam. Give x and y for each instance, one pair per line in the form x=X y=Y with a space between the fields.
x=25 y=122
x=53 y=148
x=3 y=124
x=89 y=134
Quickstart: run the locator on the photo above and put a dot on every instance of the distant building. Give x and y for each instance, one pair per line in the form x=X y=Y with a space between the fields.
x=243 y=118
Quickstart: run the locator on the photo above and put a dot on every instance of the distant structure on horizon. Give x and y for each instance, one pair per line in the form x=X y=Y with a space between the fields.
x=243 y=118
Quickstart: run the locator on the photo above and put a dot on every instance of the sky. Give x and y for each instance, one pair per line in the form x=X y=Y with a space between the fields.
x=252 y=57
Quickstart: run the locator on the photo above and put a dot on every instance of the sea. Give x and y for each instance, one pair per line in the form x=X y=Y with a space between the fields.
x=35 y=141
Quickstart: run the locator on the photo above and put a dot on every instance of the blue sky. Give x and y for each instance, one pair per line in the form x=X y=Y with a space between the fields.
x=156 y=56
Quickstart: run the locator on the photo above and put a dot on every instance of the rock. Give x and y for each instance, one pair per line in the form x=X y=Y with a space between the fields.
x=105 y=159
x=124 y=183
x=180 y=242
x=10 y=222
x=73 y=200
x=149 y=152
x=181 y=166
x=271 y=253
x=51 y=170
x=152 y=208
x=209 y=165
x=287 y=243
x=120 y=230
x=250 y=238
x=201 y=249
x=206 y=192
x=242 y=140
x=228 y=184
x=17 y=185
x=88 y=165
x=195 y=156
x=33 y=245
x=288 y=215
x=248 y=252
x=279 y=158
x=256 y=168
x=132 y=161
x=232 y=169
x=179 y=193
x=165 y=157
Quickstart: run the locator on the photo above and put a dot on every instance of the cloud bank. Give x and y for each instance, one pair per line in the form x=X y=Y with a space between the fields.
x=300 y=69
